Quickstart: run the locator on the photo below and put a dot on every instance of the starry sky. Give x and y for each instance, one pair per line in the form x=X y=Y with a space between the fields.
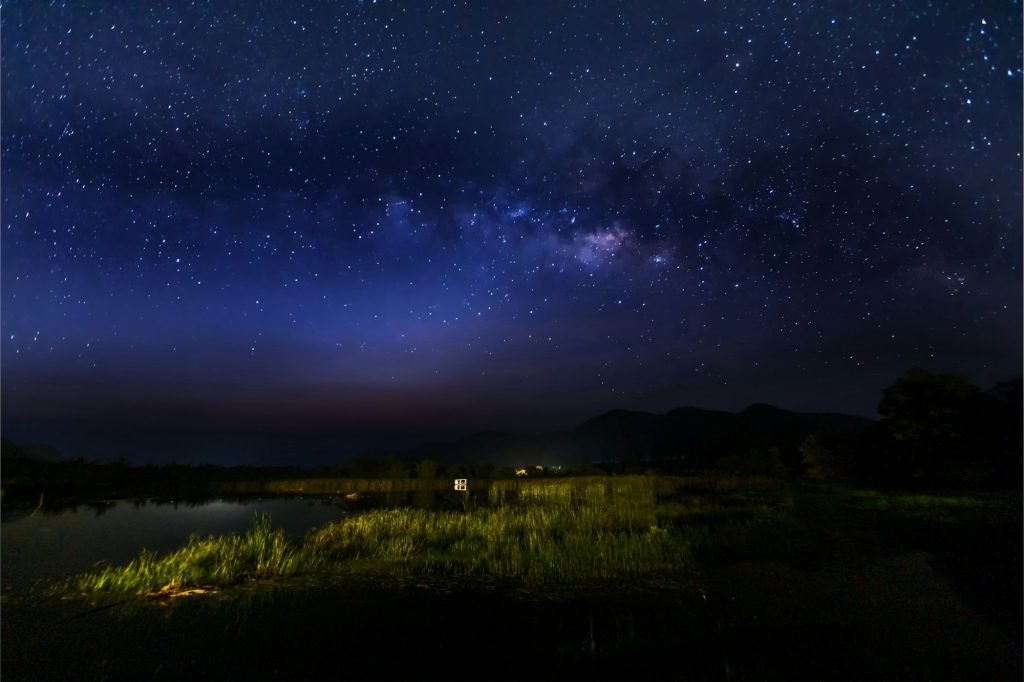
x=282 y=231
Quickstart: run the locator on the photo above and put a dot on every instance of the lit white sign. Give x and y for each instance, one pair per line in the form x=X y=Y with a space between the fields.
x=460 y=484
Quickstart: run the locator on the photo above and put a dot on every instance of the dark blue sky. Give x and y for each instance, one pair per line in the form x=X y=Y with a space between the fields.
x=266 y=221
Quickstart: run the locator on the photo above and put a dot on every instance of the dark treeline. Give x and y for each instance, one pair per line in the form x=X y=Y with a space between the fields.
x=70 y=481
x=26 y=477
x=935 y=431
x=31 y=471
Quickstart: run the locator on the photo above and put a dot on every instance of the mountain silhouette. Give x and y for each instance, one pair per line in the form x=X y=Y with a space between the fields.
x=690 y=437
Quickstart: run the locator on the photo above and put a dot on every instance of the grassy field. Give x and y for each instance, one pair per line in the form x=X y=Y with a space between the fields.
x=576 y=578
x=543 y=531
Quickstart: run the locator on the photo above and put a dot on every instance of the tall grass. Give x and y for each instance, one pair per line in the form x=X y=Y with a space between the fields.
x=542 y=531
x=540 y=543
x=558 y=530
x=262 y=552
x=333 y=486
x=330 y=486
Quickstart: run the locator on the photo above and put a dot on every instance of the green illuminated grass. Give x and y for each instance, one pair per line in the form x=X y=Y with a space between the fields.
x=557 y=531
x=536 y=542
x=543 y=531
x=260 y=553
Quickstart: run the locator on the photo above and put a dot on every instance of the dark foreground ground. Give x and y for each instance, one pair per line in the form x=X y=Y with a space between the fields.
x=880 y=597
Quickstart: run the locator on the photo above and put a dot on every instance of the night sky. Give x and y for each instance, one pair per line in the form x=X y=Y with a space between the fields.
x=282 y=231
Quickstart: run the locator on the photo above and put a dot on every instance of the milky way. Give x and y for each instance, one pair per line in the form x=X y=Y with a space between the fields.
x=320 y=218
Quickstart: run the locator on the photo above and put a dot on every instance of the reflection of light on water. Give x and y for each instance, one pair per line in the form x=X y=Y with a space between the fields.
x=222 y=507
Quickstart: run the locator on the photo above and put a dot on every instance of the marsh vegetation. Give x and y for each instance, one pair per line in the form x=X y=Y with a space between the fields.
x=566 y=531
x=707 y=577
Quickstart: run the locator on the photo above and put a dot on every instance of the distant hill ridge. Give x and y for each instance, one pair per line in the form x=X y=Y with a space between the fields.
x=694 y=437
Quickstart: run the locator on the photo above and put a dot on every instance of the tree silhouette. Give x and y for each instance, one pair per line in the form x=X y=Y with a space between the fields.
x=941 y=429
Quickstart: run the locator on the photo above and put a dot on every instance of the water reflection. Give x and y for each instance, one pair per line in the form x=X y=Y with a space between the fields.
x=420 y=499
x=100 y=508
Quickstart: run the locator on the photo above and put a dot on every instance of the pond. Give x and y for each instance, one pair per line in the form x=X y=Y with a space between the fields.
x=55 y=543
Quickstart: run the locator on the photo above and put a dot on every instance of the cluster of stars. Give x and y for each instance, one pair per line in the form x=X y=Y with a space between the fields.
x=631 y=206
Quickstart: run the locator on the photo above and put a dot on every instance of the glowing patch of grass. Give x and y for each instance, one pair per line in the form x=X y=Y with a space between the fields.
x=556 y=530
x=541 y=543
x=260 y=553
x=559 y=531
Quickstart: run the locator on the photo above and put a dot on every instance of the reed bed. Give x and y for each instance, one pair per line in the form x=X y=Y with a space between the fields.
x=541 y=531
x=330 y=486
x=260 y=553
x=538 y=542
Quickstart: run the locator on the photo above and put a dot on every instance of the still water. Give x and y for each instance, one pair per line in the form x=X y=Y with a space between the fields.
x=55 y=544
